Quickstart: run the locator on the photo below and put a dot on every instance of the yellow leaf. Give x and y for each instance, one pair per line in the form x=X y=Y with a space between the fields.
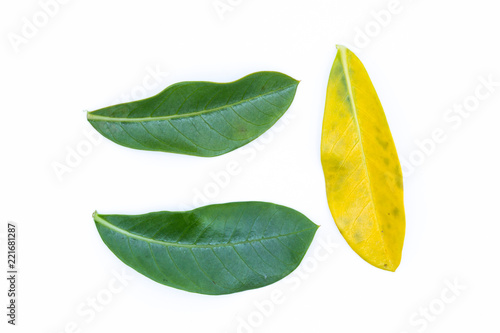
x=364 y=183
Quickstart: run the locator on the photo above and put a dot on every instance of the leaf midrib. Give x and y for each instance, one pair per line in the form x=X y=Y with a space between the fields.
x=91 y=116
x=113 y=227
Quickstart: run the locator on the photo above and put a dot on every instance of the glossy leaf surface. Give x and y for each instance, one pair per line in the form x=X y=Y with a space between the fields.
x=199 y=118
x=216 y=249
x=363 y=176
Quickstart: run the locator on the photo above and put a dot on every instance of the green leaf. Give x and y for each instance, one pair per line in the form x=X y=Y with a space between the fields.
x=199 y=118
x=216 y=249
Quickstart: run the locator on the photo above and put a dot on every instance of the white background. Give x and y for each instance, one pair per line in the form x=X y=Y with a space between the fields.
x=425 y=58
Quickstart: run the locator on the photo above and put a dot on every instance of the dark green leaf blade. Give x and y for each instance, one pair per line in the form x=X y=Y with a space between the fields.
x=214 y=250
x=199 y=118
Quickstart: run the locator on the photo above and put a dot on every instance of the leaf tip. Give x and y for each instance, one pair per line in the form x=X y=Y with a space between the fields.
x=390 y=266
x=295 y=81
x=340 y=47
